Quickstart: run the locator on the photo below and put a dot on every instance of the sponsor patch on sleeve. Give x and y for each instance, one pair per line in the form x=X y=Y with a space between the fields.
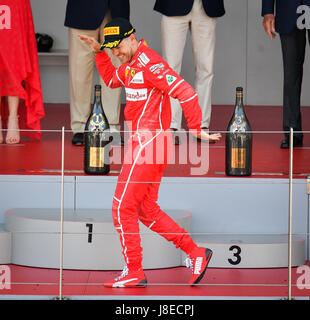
x=157 y=68
x=170 y=79
x=143 y=59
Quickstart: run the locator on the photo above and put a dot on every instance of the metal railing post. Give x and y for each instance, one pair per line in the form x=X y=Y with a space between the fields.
x=61 y=212
x=290 y=217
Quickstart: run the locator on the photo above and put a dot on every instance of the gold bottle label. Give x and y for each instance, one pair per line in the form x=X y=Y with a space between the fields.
x=238 y=157
x=96 y=157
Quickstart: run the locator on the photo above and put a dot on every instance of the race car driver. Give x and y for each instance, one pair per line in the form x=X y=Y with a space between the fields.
x=149 y=82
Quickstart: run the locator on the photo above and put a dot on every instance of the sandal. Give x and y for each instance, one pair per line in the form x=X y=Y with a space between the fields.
x=13 y=135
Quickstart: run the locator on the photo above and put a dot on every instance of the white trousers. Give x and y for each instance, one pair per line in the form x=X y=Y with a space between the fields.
x=174 y=33
x=81 y=70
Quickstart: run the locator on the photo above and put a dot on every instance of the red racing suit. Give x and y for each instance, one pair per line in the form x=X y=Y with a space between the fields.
x=149 y=82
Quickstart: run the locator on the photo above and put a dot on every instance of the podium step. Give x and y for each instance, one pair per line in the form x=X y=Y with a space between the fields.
x=253 y=251
x=90 y=242
x=5 y=245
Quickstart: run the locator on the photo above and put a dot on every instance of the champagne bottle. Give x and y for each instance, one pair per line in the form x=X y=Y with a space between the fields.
x=238 y=151
x=97 y=138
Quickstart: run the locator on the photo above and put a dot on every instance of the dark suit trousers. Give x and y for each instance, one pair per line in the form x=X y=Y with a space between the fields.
x=293 y=52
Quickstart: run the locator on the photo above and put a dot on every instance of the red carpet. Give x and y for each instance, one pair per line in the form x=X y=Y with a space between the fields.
x=44 y=157
x=165 y=282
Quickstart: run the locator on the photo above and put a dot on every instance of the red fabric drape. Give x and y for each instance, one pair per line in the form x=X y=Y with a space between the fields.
x=19 y=67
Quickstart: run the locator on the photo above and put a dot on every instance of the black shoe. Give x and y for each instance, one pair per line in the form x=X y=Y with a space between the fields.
x=78 y=139
x=297 y=142
x=285 y=144
x=175 y=136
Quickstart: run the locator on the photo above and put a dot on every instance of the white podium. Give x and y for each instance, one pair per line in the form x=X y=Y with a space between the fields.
x=31 y=237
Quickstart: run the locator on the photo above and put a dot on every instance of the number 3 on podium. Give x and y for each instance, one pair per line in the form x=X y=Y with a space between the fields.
x=236 y=250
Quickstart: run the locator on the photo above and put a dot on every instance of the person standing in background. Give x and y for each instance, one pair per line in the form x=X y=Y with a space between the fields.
x=281 y=16
x=89 y=18
x=198 y=16
x=21 y=101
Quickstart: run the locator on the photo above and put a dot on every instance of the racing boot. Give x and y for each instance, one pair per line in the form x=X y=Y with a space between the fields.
x=128 y=279
x=198 y=262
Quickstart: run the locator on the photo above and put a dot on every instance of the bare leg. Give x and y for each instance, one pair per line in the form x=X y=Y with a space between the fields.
x=1 y=135
x=13 y=135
